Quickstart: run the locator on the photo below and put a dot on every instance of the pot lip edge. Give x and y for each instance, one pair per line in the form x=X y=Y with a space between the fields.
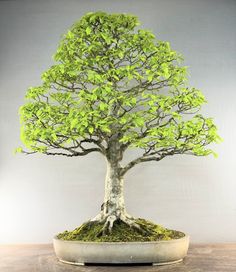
x=186 y=237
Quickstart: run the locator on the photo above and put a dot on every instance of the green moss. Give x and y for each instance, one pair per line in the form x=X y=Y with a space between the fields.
x=121 y=232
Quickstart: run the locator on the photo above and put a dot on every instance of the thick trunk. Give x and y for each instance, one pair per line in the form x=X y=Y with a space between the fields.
x=113 y=204
x=114 y=191
x=113 y=207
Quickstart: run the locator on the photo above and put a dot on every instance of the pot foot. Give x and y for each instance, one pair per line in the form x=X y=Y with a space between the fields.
x=74 y=263
x=172 y=262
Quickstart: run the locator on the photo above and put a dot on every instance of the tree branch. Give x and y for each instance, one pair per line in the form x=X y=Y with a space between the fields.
x=146 y=158
x=74 y=154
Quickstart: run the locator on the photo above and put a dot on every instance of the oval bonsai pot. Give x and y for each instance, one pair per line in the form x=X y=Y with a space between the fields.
x=154 y=252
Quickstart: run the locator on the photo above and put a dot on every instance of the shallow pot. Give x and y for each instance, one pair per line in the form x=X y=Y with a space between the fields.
x=155 y=252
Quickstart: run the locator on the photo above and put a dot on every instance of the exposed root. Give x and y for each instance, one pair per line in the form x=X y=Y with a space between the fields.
x=99 y=217
x=109 y=220
x=126 y=215
x=109 y=224
x=133 y=224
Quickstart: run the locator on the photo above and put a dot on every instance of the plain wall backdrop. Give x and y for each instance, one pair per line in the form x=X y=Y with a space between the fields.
x=41 y=195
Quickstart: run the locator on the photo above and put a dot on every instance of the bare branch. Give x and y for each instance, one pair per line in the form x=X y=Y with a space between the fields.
x=74 y=154
x=146 y=158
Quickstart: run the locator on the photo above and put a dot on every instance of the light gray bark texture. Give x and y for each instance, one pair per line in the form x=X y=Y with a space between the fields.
x=113 y=207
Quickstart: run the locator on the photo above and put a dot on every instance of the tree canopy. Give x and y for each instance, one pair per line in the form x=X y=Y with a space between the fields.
x=109 y=80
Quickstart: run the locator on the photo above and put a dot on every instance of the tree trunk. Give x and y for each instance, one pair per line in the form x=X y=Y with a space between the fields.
x=114 y=191
x=113 y=207
x=113 y=204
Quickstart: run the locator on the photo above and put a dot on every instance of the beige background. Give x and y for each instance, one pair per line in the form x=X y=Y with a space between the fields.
x=40 y=195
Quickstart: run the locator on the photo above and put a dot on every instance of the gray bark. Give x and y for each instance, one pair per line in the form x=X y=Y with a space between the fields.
x=113 y=206
x=114 y=191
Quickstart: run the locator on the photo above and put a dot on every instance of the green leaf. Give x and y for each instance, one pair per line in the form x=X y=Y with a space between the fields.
x=121 y=55
x=150 y=78
x=70 y=35
x=91 y=130
x=139 y=121
x=88 y=30
x=74 y=123
x=214 y=154
x=103 y=106
x=176 y=115
x=105 y=129
x=18 y=150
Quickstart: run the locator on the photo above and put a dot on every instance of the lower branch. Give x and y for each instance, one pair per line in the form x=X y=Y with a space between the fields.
x=139 y=160
x=151 y=157
x=72 y=154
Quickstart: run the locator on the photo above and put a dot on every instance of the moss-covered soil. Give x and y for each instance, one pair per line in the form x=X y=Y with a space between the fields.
x=121 y=232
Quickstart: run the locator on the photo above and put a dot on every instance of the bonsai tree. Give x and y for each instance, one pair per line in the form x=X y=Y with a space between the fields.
x=111 y=89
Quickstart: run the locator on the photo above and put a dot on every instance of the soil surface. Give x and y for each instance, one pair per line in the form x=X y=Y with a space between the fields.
x=121 y=232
